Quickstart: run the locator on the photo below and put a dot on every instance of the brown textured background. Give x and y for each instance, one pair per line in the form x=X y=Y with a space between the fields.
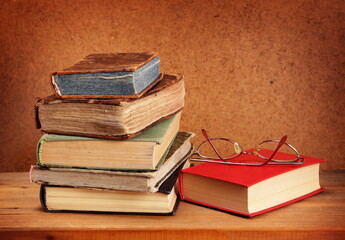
x=254 y=70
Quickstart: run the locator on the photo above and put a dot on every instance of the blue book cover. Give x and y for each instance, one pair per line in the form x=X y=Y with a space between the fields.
x=109 y=75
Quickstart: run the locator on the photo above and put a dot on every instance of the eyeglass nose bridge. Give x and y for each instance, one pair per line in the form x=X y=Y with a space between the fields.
x=255 y=152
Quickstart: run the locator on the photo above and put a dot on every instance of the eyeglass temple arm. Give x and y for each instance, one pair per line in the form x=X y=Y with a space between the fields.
x=204 y=133
x=282 y=141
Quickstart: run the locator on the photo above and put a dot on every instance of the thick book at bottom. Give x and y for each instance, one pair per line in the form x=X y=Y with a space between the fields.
x=90 y=200
x=250 y=190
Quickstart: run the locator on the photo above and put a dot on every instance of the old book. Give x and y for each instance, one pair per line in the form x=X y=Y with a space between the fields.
x=134 y=180
x=69 y=199
x=142 y=152
x=250 y=190
x=111 y=118
x=108 y=75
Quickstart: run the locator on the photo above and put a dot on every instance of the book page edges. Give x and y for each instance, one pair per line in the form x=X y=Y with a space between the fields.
x=287 y=203
x=175 y=203
x=128 y=136
x=123 y=97
x=153 y=134
x=134 y=172
x=183 y=161
x=158 y=132
x=255 y=213
x=153 y=179
x=167 y=81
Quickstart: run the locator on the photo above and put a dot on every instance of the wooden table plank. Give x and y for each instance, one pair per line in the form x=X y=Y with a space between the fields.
x=319 y=217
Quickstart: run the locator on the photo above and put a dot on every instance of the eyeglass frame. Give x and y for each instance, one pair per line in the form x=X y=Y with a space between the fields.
x=239 y=150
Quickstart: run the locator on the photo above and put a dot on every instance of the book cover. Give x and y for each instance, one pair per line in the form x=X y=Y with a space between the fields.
x=245 y=183
x=132 y=180
x=108 y=75
x=111 y=118
x=142 y=152
x=138 y=203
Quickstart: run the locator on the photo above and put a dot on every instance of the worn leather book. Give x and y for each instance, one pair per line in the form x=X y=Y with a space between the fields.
x=90 y=200
x=142 y=152
x=108 y=75
x=111 y=118
x=250 y=190
x=132 y=180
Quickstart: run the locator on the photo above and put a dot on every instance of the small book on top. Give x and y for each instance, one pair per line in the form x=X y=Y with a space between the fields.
x=250 y=190
x=111 y=118
x=108 y=75
x=142 y=152
x=131 y=180
x=91 y=200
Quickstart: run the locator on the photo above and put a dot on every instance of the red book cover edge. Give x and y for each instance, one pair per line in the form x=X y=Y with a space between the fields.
x=246 y=175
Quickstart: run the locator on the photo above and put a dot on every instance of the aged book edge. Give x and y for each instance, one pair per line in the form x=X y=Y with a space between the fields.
x=141 y=175
x=138 y=95
x=41 y=162
x=166 y=81
x=51 y=99
x=119 y=137
x=126 y=69
x=186 y=136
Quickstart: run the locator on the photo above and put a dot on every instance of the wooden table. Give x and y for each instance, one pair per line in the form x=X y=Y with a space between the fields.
x=319 y=217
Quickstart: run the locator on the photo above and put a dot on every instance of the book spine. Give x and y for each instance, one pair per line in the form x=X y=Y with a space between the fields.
x=30 y=173
x=39 y=150
x=54 y=85
x=37 y=119
x=43 y=198
x=180 y=184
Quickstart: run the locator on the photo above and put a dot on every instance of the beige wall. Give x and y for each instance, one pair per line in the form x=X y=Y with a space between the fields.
x=254 y=70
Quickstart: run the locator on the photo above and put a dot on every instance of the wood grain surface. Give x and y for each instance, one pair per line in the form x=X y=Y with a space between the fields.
x=319 y=217
x=254 y=70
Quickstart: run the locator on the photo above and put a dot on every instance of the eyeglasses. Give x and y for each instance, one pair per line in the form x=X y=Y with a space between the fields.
x=202 y=153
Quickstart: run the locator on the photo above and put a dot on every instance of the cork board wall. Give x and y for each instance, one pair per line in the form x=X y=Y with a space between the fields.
x=254 y=70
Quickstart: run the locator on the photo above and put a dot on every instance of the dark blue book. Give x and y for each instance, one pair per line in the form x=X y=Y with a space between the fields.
x=109 y=75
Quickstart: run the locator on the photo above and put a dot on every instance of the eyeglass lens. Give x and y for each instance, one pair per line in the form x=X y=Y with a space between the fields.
x=224 y=147
x=230 y=149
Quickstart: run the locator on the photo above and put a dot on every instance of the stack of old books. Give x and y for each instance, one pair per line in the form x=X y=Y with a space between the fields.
x=112 y=140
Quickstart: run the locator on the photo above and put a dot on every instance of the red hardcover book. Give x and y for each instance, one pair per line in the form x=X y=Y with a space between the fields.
x=250 y=190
